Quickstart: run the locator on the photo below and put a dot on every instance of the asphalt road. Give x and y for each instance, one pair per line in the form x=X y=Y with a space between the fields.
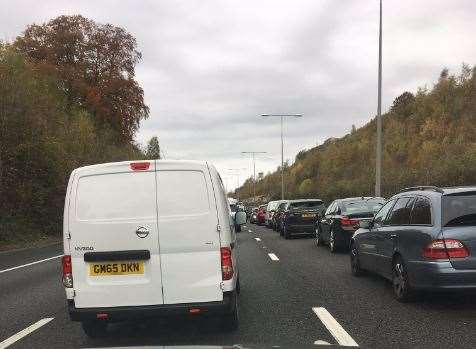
x=276 y=304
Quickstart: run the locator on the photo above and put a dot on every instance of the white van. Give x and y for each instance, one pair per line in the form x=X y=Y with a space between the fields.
x=149 y=238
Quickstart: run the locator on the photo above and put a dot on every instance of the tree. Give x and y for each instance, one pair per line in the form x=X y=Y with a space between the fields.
x=153 y=148
x=95 y=65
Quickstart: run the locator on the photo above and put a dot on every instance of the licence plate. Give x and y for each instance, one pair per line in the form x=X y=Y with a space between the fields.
x=116 y=268
x=308 y=215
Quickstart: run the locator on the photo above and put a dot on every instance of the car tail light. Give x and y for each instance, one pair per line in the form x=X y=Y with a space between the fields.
x=348 y=222
x=140 y=166
x=226 y=263
x=67 y=271
x=444 y=249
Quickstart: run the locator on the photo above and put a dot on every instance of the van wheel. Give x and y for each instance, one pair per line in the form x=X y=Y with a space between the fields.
x=230 y=321
x=94 y=328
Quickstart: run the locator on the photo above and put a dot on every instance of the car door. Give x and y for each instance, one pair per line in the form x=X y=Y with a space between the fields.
x=189 y=239
x=326 y=221
x=113 y=225
x=369 y=240
x=397 y=223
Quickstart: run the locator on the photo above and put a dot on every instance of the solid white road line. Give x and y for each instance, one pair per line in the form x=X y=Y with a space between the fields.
x=249 y=231
x=257 y=239
x=273 y=257
x=336 y=330
x=16 y=337
x=28 y=264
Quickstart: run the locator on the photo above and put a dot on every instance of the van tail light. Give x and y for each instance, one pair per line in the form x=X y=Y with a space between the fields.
x=226 y=263
x=348 y=223
x=140 y=166
x=67 y=271
x=444 y=249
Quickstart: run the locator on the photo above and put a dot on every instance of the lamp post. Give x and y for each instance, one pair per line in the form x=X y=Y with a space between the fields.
x=253 y=153
x=378 y=160
x=282 y=117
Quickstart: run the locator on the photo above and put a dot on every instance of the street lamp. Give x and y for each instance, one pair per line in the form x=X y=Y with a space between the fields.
x=237 y=174
x=253 y=153
x=378 y=161
x=282 y=116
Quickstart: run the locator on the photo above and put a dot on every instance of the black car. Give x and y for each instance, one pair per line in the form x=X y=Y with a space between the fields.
x=299 y=217
x=342 y=219
x=423 y=238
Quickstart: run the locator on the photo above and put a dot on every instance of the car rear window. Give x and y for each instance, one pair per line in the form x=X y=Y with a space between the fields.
x=362 y=206
x=306 y=204
x=458 y=210
x=182 y=193
x=116 y=196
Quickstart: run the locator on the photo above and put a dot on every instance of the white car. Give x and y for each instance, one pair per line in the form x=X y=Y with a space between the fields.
x=149 y=238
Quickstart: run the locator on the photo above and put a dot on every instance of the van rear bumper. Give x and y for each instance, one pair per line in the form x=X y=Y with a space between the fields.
x=162 y=310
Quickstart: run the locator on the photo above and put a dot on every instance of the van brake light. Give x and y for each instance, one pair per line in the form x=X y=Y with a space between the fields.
x=67 y=271
x=140 y=166
x=226 y=263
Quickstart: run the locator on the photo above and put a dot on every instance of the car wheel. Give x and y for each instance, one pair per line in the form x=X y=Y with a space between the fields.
x=95 y=328
x=286 y=233
x=401 y=286
x=231 y=321
x=355 y=268
x=318 y=235
x=332 y=242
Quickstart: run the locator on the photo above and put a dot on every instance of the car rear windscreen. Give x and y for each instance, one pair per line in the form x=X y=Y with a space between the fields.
x=362 y=206
x=306 y=205
x=458 y=210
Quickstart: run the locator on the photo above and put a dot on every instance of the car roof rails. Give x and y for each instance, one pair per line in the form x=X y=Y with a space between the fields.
x=423 y=187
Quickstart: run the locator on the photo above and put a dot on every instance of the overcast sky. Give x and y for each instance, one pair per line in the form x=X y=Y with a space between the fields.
x=210 y=68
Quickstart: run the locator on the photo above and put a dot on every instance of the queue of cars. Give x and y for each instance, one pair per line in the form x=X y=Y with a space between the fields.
x=421 y=239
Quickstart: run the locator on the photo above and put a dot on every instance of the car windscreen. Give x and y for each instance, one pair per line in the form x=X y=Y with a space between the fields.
x=458 y=210
x=306 y=205
x=362 y=206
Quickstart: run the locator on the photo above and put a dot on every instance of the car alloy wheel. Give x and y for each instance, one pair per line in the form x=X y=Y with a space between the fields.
x=332 y=242
x=354 y=261
x=401 y=286
x=318 y=236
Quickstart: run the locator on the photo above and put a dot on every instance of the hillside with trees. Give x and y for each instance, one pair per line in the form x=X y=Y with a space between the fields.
x=429 y=138
x=68 y=98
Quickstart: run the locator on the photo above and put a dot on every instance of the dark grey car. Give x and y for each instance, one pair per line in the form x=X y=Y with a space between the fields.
x=423 y=238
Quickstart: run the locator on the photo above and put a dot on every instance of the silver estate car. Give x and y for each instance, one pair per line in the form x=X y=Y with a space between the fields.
x=423 y=238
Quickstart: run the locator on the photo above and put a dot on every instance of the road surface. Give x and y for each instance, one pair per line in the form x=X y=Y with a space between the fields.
x=292 y=293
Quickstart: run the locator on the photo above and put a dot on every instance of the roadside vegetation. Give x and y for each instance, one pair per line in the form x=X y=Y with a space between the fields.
x=429 y=138
x=68 y=98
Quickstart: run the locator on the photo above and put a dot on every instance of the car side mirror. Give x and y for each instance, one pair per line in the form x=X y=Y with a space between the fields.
x=240 y=218
x=366 y=224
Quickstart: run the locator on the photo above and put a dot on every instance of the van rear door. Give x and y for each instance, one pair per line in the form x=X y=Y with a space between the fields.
x=114 y=236
x=188 y=236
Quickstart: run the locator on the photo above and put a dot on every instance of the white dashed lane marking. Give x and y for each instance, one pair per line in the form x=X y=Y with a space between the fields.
x=257 y=239
x=336 y=330
x=16 y=337
x=273 y=257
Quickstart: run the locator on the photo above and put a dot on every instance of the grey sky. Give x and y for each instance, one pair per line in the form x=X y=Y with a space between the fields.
x=210 y=68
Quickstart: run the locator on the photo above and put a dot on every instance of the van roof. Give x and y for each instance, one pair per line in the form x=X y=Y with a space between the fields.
x=190 y=164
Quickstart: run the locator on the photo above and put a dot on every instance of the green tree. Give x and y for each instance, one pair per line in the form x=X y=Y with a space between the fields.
x=153 y=148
